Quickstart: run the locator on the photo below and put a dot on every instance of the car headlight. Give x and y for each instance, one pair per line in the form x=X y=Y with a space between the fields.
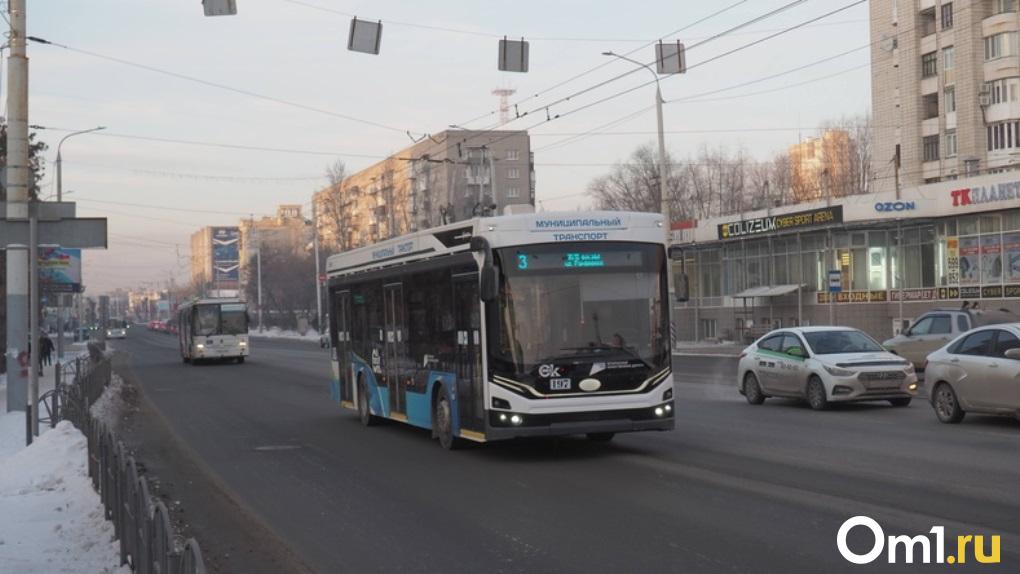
x=908 y=369
x=838 y=372
x=200 y=346
x=243 y=343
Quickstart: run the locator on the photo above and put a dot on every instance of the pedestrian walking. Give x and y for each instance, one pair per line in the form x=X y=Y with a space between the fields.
x=46 y=350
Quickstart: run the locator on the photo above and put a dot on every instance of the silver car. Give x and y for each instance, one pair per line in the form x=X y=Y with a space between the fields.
x=978 y=372
x=824 y=365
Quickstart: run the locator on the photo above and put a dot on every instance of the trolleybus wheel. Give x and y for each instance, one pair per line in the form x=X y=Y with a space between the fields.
x=367 y=419
x=442 y=423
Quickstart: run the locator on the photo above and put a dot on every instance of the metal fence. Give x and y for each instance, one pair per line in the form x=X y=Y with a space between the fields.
x=148 y=542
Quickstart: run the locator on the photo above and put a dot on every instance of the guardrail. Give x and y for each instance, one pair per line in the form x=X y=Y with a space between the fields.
x=148 y=542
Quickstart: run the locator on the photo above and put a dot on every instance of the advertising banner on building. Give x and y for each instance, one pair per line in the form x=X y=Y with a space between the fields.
x=970 y=261
x=787 y=221
x=1011 y=256
x=60 y=269
x=952 y=261
x=991 y=259
x=226 y=254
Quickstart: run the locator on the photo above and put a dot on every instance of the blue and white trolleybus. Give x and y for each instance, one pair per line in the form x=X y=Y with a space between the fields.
x=509 y=326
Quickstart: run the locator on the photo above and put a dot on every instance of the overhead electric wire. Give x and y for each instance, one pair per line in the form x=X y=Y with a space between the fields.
x=561 y=83
x=217 y=85
x=550 y=117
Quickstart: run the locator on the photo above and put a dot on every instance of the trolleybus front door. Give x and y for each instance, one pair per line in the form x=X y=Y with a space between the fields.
x=394 y=343
x=467 y=319
x=342 y=349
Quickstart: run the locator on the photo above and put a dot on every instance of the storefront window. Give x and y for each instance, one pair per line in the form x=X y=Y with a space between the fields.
x=968 y=225
x=813 y=267
x=876 y=268
x=990 y=224
x=1011 y=220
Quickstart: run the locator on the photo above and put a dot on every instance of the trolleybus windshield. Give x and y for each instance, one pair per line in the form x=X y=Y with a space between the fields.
x=581 y=302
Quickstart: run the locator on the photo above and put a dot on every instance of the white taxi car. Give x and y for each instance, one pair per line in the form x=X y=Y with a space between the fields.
x=824 y=365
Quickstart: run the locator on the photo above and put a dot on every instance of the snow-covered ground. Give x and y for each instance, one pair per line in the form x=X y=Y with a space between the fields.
x=277 y=333
x=51 y=519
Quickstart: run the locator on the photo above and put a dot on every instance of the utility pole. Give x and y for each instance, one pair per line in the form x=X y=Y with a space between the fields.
x=664 y=202
x=17 y=206
x=315 y=253
x=59 y=367
x=258 y=268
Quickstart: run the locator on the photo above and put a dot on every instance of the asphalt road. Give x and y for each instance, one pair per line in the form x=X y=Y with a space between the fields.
x=736 y=488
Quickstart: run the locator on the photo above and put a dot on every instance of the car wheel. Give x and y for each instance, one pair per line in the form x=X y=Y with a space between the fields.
x=901 y=402
x=442 y=423
x=601 y=436
x=947 y=407
x=816 y=394
x=240 y=360
x=752 y=390
x=185 y=360
x=364 y=413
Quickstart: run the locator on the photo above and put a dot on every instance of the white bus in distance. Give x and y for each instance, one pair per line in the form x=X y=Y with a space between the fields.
x=510 y=326
x=213 y=329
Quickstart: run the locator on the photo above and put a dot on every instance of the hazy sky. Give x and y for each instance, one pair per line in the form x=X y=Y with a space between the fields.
x=156 y=193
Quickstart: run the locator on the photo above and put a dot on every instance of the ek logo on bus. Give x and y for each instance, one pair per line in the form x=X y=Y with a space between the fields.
x=548 y=371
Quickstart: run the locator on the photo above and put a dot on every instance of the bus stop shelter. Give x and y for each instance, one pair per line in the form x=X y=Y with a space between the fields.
x=769 y=292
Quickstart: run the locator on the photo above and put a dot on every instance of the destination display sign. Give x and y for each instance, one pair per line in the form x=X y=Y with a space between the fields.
x=786 y=221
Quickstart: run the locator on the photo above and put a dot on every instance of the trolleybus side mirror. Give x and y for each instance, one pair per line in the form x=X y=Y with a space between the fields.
x=487 y=279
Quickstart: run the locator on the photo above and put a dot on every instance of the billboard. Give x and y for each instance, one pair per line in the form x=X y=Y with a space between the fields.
x=226 y=257
x=60 y=269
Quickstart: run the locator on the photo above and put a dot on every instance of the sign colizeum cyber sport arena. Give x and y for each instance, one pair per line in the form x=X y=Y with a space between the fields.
x=772 y=223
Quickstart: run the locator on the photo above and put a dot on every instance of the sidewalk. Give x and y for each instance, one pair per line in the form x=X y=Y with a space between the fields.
x=51 y=519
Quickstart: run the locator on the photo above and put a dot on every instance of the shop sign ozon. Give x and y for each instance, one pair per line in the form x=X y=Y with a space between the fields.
x=772 y=223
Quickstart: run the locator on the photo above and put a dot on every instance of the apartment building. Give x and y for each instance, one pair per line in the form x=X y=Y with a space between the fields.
x=820 y=167
x=945 y=82
x=446 y=177
x=286 y=231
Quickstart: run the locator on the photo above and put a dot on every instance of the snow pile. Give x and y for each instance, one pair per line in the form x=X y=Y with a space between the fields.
x=277 y=333
x=110 y=406
x=52 y=519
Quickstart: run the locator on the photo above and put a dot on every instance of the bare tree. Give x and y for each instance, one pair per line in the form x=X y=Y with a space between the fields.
x=634 y=185
x=331 y=208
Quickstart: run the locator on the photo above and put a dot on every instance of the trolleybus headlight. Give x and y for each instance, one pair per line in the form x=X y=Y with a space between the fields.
x=243 y=343
x=659 y=411
x=516 y=419
x=200 y=346
x=669 y=408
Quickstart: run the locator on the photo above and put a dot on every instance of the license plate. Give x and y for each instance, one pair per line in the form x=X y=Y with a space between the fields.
x=559 y=384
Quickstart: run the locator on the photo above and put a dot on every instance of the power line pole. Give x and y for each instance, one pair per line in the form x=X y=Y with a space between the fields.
x=17 y=206
x=315 y=250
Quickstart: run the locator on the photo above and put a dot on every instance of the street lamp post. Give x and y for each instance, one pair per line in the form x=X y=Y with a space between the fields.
x=664 y=201
x=58 y=369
